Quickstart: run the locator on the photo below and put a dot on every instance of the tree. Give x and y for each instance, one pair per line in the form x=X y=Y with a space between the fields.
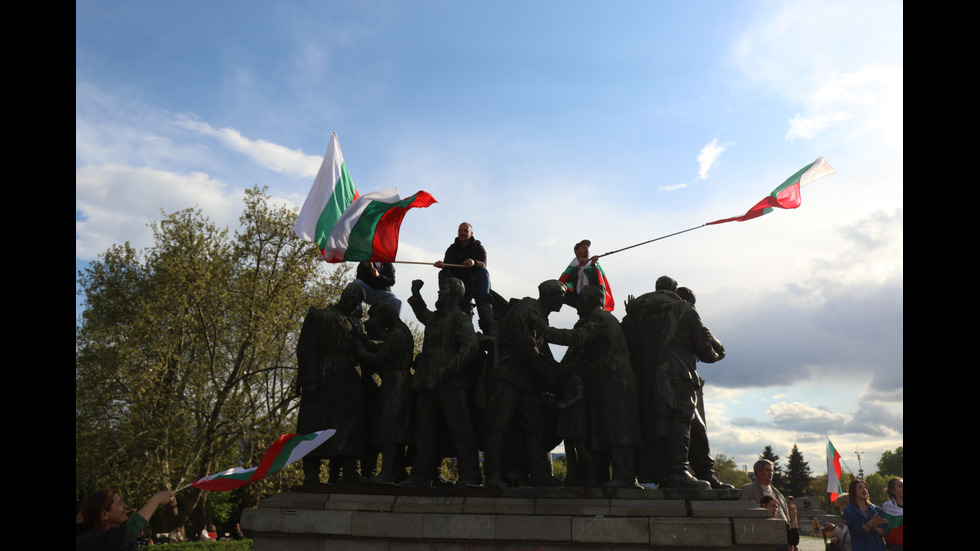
x=729 y=472
x=797 y=474
x=877 y=487
x=891 y=463
x=777 y=476
x=185 y=353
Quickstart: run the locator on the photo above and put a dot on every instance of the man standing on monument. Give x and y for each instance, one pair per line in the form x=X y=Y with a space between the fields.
x=330 y=384
x=377 y=278
x=598 y=346
x=441 y=381
x=524 y=367
x=470 y=266
x=666 y=339
x=585 y=270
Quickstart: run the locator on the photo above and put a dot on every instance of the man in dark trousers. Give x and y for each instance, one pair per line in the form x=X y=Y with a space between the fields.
x=468 y=260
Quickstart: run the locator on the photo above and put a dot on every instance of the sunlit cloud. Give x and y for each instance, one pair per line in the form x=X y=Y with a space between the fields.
x=264 y=153
x=709 y=157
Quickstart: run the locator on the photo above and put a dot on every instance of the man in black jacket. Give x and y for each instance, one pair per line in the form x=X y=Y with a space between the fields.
x=466 y=260
x=376 y=278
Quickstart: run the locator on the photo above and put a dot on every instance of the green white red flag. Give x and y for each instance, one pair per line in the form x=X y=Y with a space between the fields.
x=368 y=229
x=787 y=195
x=833 y=471
x=609 y=303
x=331 y=194
x=287 y=449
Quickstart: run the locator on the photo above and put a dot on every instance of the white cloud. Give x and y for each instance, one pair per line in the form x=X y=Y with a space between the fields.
x=115 y=203
x=709 y=157
x=266 y=154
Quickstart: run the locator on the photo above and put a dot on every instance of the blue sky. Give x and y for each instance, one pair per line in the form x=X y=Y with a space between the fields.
x=543 y=123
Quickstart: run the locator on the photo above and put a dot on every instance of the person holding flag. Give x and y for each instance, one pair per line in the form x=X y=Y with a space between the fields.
x=585 y=270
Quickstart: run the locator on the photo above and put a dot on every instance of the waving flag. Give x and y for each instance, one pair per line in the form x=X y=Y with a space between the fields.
x=285 y=450
x=368 y=229
x=331 y=194
x=833 y=471
x=787 y=195
x=609 y=303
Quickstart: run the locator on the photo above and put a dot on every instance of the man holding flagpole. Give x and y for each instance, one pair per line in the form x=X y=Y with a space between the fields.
x=585 y=270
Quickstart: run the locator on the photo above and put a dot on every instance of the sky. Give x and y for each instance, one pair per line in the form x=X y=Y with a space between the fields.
x=544 y=123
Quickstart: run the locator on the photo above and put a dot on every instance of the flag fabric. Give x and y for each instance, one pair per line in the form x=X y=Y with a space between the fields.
x=895 y=516
x=787 y=195
x=833 y=471
x=285 y=450
x=573 y=284
x=331 y=194
x=368 y=229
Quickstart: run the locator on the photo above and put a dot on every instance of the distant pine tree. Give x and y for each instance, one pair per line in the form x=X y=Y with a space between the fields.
x=797 y=474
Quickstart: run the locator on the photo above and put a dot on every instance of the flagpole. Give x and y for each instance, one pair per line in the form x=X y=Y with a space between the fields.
x=321 y=259
x=652 y=240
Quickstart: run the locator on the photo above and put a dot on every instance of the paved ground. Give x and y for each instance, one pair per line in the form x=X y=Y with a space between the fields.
x=811 y=544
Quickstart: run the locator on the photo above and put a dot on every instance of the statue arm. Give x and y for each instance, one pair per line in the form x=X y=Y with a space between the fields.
x=421 y=310
x=583 y=333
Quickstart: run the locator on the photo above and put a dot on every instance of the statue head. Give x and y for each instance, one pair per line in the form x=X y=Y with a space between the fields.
x=352 y=296
x=551 y=294
x=589 y=298
x=666 y=283
x=687 y=295
x=385 y=313
x=450 y=292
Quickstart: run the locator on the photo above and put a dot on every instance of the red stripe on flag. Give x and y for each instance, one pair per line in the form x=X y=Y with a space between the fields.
x=384 y=247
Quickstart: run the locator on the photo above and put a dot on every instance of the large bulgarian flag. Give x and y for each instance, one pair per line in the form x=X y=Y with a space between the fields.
x=787 y=195
x=287 y=449
x=331 y=194
x=833 y=471
x=368 y=229
x=572 y=285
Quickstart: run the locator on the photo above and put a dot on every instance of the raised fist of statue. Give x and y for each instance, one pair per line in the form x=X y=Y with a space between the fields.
x=416 y=285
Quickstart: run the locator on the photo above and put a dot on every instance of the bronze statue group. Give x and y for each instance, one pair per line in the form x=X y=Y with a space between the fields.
x=624 y=398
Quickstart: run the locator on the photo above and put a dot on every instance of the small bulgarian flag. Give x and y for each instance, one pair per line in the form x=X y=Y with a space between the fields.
x=833 y=471
x=787 y=195
x=368 y=229
x=565 y=277
x=331 y=194
x=287 y=449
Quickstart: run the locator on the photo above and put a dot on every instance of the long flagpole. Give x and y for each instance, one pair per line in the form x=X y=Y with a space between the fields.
x=321 y=259
x=652 y=240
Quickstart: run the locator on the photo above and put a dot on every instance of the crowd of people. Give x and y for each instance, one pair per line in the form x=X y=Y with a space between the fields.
x=624 y=398
x=864 y=526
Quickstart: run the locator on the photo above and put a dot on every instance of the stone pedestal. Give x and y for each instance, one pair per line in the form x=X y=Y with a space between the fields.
x=545 y=519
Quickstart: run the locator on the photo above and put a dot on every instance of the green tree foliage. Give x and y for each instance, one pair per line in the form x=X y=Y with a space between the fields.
x=185 y=354
x=891 y=463
x=797 y=474
x=729 y=472
x=878 y=487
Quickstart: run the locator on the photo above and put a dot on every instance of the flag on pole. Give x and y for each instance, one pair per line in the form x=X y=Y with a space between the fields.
x=285 y=450
x=368 y=229
x=833 y=471
x=565 y=278
x=331 y=194
x=787 y=195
